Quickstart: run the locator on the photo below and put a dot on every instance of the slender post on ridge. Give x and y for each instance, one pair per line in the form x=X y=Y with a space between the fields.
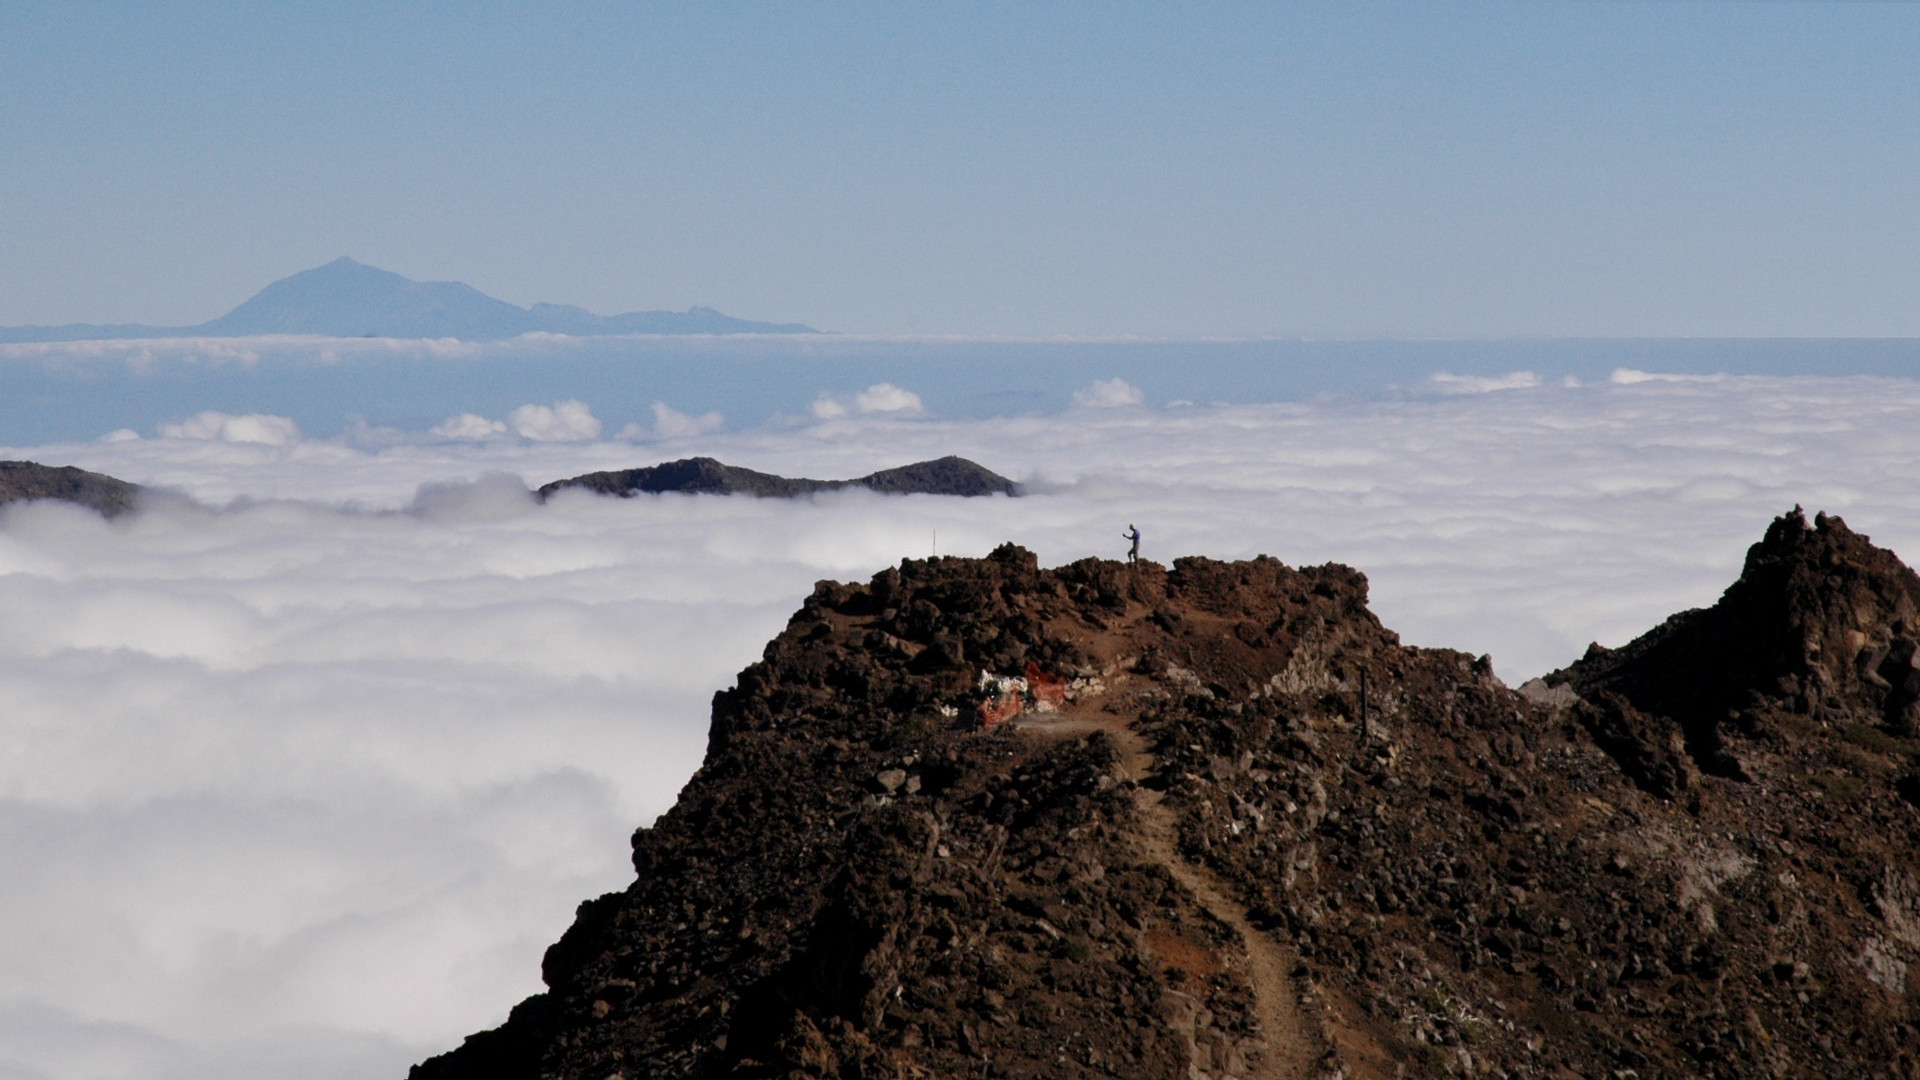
x=1363 y=707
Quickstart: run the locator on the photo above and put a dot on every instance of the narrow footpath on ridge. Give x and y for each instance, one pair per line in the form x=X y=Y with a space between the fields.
x=1294 y=1047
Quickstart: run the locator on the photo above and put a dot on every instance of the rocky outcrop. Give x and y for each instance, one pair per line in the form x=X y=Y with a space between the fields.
x=706 y=476
x=979 y=818
x=1821 y=623
x=20 y=480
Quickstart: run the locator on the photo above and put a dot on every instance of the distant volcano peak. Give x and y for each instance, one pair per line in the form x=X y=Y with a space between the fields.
x=348 y=298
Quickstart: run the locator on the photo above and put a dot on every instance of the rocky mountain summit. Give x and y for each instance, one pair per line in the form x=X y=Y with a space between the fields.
x=21 y=480
x=705 y=476
x=977 y=818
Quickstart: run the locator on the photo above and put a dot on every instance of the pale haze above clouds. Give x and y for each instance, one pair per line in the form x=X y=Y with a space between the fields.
x=304 y=775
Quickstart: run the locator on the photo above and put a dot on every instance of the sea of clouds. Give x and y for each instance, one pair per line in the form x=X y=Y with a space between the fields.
x=307 y=762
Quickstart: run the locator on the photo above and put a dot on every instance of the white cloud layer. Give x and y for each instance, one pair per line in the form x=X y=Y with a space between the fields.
x=312 y=783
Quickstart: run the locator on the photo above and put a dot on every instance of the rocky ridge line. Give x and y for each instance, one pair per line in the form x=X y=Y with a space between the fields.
x=1183 y=787
x=706 y=476
x=24 y=480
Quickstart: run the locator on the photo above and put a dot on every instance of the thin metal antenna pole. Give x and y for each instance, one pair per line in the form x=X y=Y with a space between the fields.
x=1363 y=707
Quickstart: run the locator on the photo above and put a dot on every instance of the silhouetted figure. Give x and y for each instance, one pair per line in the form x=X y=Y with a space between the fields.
x=1133 y=534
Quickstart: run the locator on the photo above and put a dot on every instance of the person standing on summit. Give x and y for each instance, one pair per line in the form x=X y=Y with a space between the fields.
x=1133 y=534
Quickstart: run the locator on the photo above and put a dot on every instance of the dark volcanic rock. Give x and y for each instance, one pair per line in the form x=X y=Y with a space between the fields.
x=942 y=476
x=1188 y=848
x=30 y=480
x=1820 y=624
x=692 y=476
x=705 y=476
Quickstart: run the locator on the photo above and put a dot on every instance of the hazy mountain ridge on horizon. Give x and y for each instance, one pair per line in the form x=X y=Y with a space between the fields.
x=345 y=298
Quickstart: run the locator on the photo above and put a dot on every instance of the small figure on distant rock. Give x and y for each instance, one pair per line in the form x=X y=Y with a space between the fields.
x=1133 y=534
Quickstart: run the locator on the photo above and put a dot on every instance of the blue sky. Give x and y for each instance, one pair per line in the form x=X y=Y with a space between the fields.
x=1346 y=170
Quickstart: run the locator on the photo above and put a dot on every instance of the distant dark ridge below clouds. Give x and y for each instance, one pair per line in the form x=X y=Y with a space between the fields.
x=706 y=476
x=24 y=480
x=345 y=298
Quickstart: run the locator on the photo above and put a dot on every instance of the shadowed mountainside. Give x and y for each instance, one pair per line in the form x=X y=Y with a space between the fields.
x=706 y=476
x=345 y=298
x=979 y=818
x=21 y=480
x=1820 y=618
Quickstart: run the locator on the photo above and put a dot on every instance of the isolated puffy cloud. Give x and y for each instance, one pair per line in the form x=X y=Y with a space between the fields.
x=317 y=785
x=880 y=399
x=468 y=427
x=224 y=427
x=1112 y=393
x=564 y=421
x=887 y=398
x=825 y=407
x=670 y=423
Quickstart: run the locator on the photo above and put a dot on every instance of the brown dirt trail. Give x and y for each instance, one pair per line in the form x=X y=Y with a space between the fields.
x=1293 y=1045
